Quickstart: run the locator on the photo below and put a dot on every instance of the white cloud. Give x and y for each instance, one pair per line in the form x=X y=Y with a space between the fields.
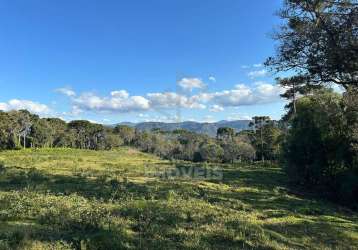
x=242 y=94
x=75 y=111
x=119 y=101
x=120 y=94
x=234 y=117
x=143 y=115
x=191 y=83
x=94 y=121
x=216 y=108
x=257 y=73
x=212 y=78
x=255 y=65
x=66 y=91
x=202 y=97
x=34 y=107
x=170 y=100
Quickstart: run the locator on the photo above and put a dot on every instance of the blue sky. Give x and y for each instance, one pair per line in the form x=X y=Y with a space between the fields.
x=112 y=61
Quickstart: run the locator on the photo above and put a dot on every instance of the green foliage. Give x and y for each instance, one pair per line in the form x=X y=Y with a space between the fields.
x=317 y=46
x=225 y=133
x=266 y=138
x=318 y=42
x=20 y=129
x=125 y=132
x=318 y=148
x=85 y=199
x=211 y=153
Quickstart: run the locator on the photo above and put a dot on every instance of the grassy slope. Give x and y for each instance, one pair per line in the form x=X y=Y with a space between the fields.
x=49 y=198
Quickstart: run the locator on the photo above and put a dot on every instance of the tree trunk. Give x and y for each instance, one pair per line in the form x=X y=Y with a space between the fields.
x=294 y=99
x=262 y=145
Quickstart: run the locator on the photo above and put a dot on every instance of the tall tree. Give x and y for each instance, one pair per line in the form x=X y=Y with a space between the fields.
x=258 y=123
x=295 y=86
x=225 y=134
x=319 y=41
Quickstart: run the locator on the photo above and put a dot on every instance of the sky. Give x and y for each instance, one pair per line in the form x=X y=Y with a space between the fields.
x=158 y=60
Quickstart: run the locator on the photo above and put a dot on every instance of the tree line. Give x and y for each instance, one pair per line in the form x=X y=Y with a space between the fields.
x=21 y=129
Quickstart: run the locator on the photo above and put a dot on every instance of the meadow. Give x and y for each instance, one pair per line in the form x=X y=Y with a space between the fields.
x=82 y=199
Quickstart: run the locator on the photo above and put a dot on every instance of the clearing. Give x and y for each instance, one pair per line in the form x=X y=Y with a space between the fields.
x=77 y=199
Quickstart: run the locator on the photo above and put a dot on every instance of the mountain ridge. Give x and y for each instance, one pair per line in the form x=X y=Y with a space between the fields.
x=208 y=128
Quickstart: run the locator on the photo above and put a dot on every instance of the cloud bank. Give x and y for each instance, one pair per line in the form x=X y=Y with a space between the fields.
x=120 y=101
x=34 y=107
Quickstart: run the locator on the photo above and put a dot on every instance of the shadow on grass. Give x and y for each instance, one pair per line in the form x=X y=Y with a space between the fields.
x=15 y=235
x=156 y=225
x=258 y=188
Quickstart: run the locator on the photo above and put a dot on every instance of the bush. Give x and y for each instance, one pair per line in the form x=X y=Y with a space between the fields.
x=74 y=214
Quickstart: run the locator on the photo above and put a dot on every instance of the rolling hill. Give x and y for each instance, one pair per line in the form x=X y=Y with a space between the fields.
x=197 y=127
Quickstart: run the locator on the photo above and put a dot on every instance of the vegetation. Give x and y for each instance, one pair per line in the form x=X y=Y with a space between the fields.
x=318 y=46
x=72 y=199
x=318 y=42
x=20 y=129
x=86 y=186
x=318 y=148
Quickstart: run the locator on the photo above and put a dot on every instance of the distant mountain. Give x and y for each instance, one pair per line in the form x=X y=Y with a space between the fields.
x=197 y=127
x=129 y=124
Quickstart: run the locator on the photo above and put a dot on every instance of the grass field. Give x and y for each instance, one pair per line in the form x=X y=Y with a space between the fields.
x=76 y=199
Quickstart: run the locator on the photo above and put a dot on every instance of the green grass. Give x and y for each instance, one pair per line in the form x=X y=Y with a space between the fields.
x=65 y=199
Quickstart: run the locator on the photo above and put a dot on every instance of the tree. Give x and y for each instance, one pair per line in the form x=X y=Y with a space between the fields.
x=225 y=134
x=20 y=126
x=112 y=141
x=211 y=152
x=350 y=102
x=231 y=151
x=143 y=141
x=318 y=42
x=318 y=46
x=272 y=136
x=318 y=149
x=295 y=87
x=88 y=135
x=246 y=151
x=79 y=127
x=57 y=130
x=41 y=133
x=258 y=124
x=189 y=144
x=125 y=132
x=6 y=139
